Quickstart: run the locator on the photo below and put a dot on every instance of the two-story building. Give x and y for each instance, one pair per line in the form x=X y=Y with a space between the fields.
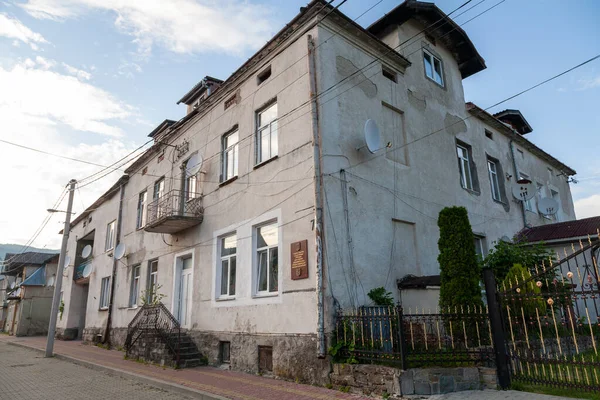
x=259 y=213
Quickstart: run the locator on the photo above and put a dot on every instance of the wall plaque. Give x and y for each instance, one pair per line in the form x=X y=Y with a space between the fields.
x=300 y=260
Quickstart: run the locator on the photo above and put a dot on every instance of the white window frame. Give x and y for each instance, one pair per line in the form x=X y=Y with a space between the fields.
x=142 y=209
x=134 y=289
x=230 y=152
x=462 y=159
x=104 y=293
x=557 y=199
x=494 y=182
x=272 y=135
x=159 y=189
x=110 y=236
x=190 y=183
x=479 y=239
x=228 y=259
x=152 y=280
x=432 y=63
x=257 y=257
x=528 y=203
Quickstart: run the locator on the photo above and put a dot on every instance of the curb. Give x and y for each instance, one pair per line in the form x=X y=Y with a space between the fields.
x=198 y=394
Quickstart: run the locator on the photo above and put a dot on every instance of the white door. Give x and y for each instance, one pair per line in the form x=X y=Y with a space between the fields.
x=185 y=292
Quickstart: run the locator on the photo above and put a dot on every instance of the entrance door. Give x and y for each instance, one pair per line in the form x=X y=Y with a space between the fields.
x=184 y=300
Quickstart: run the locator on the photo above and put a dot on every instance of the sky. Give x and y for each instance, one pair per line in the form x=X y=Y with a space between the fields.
x=89 y=79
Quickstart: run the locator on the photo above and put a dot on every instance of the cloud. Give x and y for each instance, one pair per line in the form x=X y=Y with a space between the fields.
x=34 y=90
x=181 y=26
x=12 y=28
x=79 y=73
x=591 y=83
x=588 y=206
x=45 y=63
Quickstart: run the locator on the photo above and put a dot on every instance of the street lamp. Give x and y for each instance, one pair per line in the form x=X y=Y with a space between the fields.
x=52 y=210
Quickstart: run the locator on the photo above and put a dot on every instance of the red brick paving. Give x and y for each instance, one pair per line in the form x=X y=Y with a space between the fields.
x=229 y=384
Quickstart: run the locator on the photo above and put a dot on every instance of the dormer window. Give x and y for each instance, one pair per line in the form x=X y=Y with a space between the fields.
x=433 y=68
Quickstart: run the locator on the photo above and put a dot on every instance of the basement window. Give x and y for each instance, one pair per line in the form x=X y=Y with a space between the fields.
x=225 y=352
x=264 y=75
x=265 y=358
x=388 y=73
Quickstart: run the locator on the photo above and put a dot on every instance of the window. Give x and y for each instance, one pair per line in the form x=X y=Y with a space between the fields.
x=480 y=247
x=159 y=189
x=110 y=236
x=521 y=153
x=266 y=134
x=264 y=75
x=104 y=293
x=228 y=248
x=230 y=156
x=550 y=174
x=464 y=162
x=225 y=351
x=267 y=258
x=528 y=203
x=134 y=292
x=190 y=183
x=493 y=173
x=489 y=135
x=388 y=73
x=556 y=196
x=141 y=209
x=433 y=68
x=152 y=281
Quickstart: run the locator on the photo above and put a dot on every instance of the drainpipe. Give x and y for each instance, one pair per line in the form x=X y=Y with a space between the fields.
x=318 y=198
x=106 y=336
x=516 y=172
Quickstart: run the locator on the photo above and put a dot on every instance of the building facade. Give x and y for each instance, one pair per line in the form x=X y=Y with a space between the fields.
x=261 y=212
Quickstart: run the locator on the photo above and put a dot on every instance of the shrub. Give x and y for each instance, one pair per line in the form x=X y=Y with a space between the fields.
x=532 y=294
x=380 y=297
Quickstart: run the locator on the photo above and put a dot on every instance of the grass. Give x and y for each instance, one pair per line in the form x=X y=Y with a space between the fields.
x=525 y=387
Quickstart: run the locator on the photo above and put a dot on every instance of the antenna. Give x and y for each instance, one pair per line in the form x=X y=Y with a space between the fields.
x=87 y=251
x=87 y=271
x=548 y=206
x=372 y=137
x=119 y=251
x=193 y=164
x=50 y=281
x=523 y=191
x=67 y=261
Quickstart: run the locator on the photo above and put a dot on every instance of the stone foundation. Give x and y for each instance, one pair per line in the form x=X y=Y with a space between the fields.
x=379 y=380
x=66 y=333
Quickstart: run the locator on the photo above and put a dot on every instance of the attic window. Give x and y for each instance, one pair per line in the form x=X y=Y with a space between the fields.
x=388 y=73
x=489 y=135
x=263 y=76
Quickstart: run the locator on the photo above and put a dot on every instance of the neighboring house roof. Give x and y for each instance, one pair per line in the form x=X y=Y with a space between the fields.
x=516 y=120
x=576 y=229
x=161 y=127
x=519 y=139
x=15 y=262
x=200 y=87
x=38 y=278
x=418 y=282
x=448 y=32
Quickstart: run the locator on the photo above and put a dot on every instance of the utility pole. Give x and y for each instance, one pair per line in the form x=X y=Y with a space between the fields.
x=59 y=272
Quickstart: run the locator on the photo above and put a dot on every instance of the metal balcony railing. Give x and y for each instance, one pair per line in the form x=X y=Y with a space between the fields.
x=174 y=211
x=78 y=271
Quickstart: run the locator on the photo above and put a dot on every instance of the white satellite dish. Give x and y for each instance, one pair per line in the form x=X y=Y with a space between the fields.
x=12 y=285
x=523 y=191
x=193 y=164
x=67 y=261
x=87 y=251
x=548 y=206
x=50 y=281
x=87 y=271
x=372 y=136
x=119 y=251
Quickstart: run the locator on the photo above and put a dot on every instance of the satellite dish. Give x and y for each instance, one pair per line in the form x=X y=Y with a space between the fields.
x=87 y=271
x=50 y=281
x=523 y=191
x=119 y=251
x=12 y=285
x=87 y=251
x=505 y=239
x=548 y=206
x=67 y=261
x=193 y=164
x=372 y=136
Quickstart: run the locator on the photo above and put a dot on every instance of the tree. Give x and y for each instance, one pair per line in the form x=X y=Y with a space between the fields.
x=505 y=254
x=530 y=290
x=459 y=270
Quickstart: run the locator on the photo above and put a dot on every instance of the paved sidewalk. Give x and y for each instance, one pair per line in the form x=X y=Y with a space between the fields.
x=207 y=380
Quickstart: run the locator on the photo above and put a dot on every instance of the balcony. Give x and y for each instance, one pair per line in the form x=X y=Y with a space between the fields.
x=174 y=212
x=78 y=272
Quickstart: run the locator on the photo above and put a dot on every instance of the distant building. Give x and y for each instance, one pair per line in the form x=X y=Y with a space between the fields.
x=222 y=215
x=29 y=283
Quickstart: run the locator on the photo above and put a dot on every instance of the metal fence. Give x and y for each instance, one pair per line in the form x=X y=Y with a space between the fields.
x=388 y=335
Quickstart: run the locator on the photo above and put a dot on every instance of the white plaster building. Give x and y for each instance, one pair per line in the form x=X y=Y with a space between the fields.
x=219 y=239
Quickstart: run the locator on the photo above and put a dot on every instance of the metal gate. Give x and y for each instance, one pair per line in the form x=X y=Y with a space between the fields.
x=550 y=320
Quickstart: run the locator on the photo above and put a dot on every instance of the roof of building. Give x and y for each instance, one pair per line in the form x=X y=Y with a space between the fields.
x=15 y=262
x=201 y=86
x=161 y=127
x=575 y=229
x=38 y=278
x=449 y=33
x=418 y=282
x=516 y=120
x=519 y=139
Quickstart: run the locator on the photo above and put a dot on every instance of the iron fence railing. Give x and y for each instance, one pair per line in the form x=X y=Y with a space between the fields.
x=175 y=203
x=155 y=320
x=459 y=337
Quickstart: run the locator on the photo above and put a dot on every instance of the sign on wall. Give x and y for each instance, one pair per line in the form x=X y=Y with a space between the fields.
x=300 y=260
